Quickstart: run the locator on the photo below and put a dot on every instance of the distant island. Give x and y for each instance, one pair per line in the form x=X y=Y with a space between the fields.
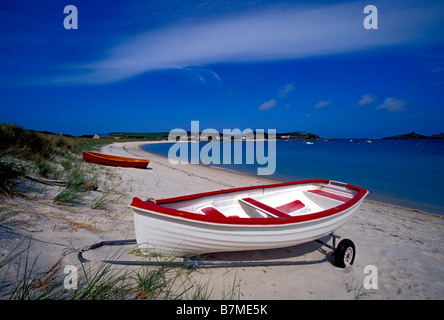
x=159 y=136
x=294 y=135
x=414 y=136
x=298 y=135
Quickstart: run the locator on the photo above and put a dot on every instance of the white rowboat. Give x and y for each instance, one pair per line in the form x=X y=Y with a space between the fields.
x=249 y=218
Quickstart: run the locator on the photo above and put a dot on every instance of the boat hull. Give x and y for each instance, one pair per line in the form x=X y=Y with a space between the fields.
x=172 y=235
x=114 y=161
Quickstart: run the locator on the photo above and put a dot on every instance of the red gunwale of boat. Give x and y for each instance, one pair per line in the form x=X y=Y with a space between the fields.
x=155 y=207
x=115 y=161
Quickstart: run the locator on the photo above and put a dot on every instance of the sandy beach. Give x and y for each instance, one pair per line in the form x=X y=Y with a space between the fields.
x=403 y=245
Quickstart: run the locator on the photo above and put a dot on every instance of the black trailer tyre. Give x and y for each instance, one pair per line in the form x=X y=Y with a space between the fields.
x=345 y=253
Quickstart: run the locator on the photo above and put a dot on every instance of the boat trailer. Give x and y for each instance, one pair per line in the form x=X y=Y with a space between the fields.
x=342 y=255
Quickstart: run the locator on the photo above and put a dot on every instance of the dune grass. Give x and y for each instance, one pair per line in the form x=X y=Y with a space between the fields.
x=101 y=281
x=26 y=153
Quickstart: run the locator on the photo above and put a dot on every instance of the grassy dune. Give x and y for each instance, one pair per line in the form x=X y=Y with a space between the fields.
x=25 y=153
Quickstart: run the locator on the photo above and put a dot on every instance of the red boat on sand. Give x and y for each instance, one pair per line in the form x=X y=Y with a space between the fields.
x=115 y=161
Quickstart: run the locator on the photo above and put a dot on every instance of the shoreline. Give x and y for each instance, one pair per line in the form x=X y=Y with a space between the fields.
x=417 y=206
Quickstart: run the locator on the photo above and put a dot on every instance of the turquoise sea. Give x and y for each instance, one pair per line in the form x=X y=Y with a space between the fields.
x=403 y=172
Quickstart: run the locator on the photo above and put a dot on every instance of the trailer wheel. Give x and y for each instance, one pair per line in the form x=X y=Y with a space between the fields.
x=345 y=253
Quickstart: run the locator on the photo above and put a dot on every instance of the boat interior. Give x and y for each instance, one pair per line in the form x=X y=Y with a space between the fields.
x=275 y=202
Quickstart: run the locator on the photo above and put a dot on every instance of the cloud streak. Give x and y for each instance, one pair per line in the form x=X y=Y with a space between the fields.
x=321 y=104
x=275 y=34
x=268 y=105
x=366 y=99
x=281 y=94
x=392 y=105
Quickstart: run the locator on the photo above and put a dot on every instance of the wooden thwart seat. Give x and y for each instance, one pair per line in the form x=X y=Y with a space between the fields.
x=212 y=212
x=330 y=195
x=282 y=211
x=291 y=206
x=278 y=212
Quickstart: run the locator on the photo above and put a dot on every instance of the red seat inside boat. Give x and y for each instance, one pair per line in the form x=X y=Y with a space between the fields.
x=212 y=212
x=282 y=211
x=291 y=206
x=267 y=209
x=330 y=195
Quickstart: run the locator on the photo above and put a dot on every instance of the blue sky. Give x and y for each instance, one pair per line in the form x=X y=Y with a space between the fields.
x=145 y=66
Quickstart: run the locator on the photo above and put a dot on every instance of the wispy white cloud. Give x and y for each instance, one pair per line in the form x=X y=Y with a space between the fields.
x=268 y=105
x=282 y=93
x=321 y=104
x=208 y=76
x=392 y=105
x=366 y=99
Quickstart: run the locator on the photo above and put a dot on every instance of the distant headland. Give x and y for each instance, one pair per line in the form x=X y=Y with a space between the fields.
x=415 y=136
